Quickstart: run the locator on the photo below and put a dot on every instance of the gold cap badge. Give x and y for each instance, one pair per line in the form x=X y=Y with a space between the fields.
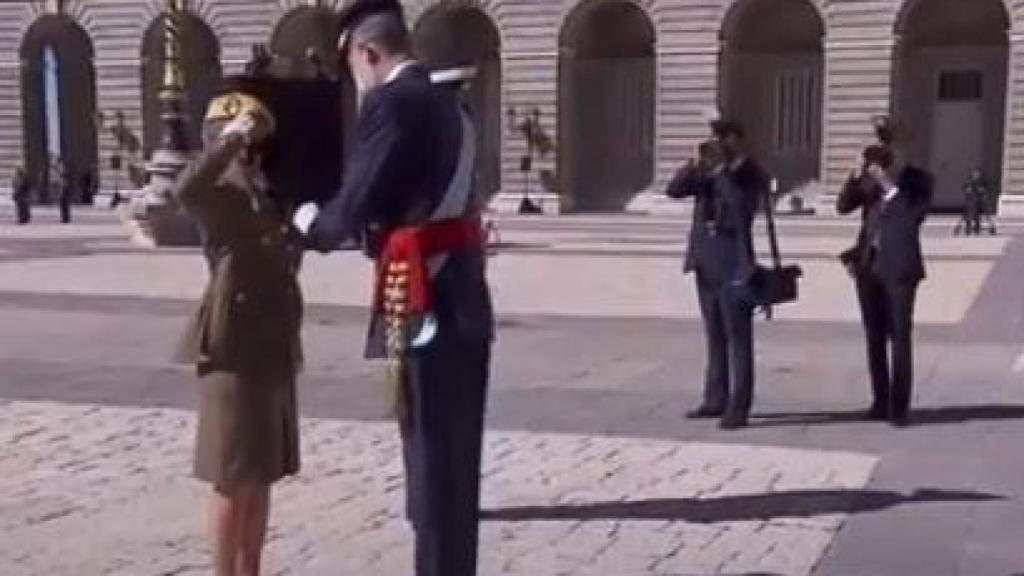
x=229 y=106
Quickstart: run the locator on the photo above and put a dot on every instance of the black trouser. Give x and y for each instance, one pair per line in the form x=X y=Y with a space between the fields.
x=973 y=208
x=65 y=209
x=729 y=333
x=442 y=442
x=887 y=311
x=24 y=210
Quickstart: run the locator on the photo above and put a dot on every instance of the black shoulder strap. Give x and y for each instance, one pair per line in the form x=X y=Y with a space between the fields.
x=773 y=240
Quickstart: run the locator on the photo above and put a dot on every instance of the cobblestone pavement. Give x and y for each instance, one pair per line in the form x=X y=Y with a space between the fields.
x=558 y=504
x=591 y=468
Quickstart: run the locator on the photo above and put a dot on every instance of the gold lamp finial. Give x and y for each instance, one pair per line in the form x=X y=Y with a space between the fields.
x=174 y=73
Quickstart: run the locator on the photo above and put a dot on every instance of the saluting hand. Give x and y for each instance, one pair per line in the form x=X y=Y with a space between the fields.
x=239 y=127
x=250 y=127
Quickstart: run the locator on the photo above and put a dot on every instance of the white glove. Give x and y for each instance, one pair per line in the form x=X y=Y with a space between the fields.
x=305 y=216
x=242 y=125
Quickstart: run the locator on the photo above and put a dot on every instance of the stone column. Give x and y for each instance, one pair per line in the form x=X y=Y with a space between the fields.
x=529 y=72
x=155 y=217
x=530 y=96
x=687 y=93
x=1011 y=201
x=858 y=86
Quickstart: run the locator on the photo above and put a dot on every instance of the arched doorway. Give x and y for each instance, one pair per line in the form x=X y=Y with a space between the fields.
x=606 y=105
x=770 y=81
x=201 y=63
x=460 y=35
x=58 y=94
x=949 y=97
x=307 y=37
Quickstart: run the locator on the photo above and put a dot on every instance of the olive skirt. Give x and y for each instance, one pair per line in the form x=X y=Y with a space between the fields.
x=248 y=429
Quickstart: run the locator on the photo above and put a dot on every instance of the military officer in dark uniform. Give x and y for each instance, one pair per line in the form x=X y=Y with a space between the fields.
x=887 y=266
x=244 y=339
x=408 y=196
x=727 y=186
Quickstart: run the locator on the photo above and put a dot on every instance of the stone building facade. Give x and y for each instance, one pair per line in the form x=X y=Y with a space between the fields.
x=621 y=88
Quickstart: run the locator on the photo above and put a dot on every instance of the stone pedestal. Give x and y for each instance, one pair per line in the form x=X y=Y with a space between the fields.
x=1011 y=206
x=510 y=202
x=809 y=199
x=825 y=205
x=156 y=219
x=658 y=204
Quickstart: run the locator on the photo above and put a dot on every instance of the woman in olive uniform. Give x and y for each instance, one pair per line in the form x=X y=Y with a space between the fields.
x=244 y=338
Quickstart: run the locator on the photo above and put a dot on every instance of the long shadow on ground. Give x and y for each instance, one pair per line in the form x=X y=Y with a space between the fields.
x=921 y=417
x=795 y=504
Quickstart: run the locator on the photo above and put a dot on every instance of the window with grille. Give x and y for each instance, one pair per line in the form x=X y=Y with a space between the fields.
x=960 y=85
x=796 y=111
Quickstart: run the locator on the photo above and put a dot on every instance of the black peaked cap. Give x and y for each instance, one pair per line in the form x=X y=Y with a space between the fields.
x=360 y=10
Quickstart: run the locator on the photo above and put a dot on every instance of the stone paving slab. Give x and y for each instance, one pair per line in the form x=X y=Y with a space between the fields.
x=599 y=280
x=89 y=490
x=657 y=243
x=588 y=286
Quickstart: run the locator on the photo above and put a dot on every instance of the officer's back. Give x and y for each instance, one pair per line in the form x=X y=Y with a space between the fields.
x=427 y=123
x=429 y=128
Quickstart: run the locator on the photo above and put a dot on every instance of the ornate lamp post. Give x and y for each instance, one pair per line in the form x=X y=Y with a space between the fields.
x=156 y=217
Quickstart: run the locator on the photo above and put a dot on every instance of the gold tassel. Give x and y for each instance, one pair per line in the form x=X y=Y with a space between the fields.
x=396 y=307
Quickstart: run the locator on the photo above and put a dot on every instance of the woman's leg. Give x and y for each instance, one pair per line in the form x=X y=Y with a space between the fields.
x=225 y=513
x=253 y=529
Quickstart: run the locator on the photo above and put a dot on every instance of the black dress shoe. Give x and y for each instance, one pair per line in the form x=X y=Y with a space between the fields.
x=705 y=412
x=733 y=422
x=878 y=412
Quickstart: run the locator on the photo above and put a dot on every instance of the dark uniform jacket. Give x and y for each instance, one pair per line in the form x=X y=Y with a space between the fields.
x=251 y=312
x=721 y=247
x=406 y=151
x=889 y=242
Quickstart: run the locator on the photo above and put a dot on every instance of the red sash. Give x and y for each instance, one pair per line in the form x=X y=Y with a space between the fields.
x=414 y=246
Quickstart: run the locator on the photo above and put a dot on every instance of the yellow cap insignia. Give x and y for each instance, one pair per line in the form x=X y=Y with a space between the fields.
x=229 y=106
x=233 y=105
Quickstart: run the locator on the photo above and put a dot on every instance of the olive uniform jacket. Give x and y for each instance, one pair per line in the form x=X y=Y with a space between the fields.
x=250 y=315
